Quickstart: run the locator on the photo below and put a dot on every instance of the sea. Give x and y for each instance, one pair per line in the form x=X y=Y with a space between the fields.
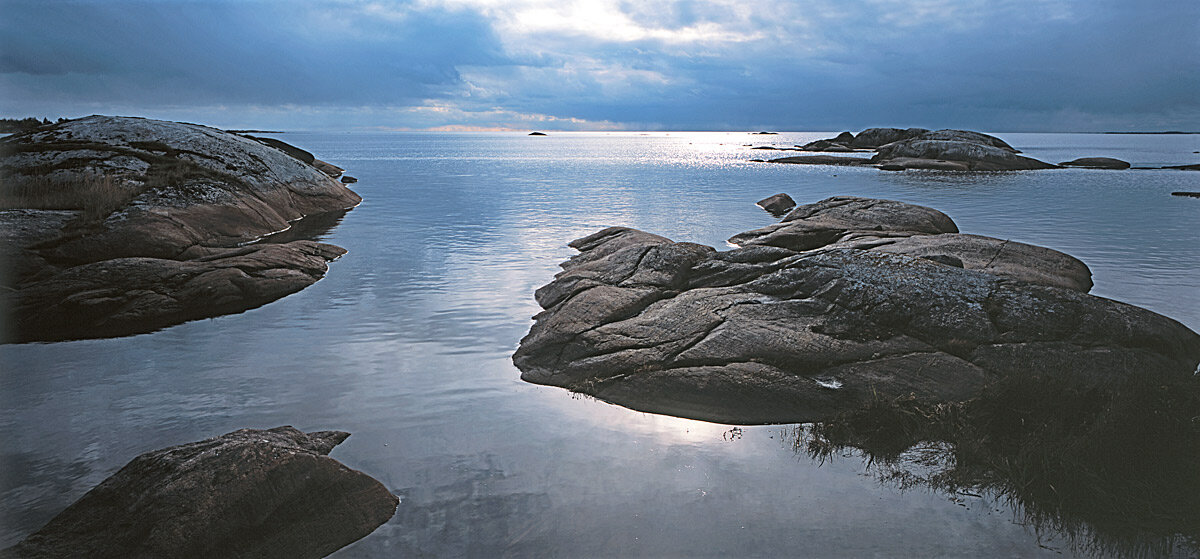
x=407 y=344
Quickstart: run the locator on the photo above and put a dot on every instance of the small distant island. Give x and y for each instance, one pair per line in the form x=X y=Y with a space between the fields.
x=1151 y=132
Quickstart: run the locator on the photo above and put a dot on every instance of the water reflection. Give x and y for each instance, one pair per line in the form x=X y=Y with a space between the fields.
x=1110 y=470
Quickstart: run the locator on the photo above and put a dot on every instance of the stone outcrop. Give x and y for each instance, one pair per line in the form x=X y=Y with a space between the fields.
x=148 y=193
x=917 y=148
x=1096 y=163
x=846 y=301
x=976 y=155
x=250 y=493
x=778 y=204
x=874 y=137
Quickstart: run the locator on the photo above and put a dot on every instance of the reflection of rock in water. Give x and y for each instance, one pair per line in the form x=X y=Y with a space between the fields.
x=475 y=515
x=1113 y=469
x=314 y=227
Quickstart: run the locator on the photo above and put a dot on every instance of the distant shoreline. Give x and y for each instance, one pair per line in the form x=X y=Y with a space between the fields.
x=1167 y=132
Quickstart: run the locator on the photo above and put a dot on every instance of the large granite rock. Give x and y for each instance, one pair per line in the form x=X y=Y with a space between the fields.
x=250 y=493
x=875 y=137
x=901 y=228
x=802 y=325
x=150 y=191
x=917 y=148
x=1096 y=163
x=977 y=155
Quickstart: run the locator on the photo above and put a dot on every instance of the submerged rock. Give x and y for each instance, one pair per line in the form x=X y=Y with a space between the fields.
x=148 y=191
x=845 y=301
x=1096 y=163
x=250 y=493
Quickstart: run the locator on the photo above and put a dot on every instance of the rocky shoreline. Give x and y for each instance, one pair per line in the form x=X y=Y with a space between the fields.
x=846 y=301
x=122 y=225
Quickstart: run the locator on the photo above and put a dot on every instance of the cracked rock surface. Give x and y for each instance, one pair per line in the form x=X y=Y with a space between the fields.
x=133 y=224
x=845 y=301
x=250 y=493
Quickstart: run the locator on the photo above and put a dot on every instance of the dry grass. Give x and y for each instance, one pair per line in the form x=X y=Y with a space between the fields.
x=95 y=195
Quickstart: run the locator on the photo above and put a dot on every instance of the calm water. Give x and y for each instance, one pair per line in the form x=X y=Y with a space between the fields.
x=406 y=344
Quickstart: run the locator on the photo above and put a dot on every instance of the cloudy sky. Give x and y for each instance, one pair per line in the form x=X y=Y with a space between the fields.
x=996 y=65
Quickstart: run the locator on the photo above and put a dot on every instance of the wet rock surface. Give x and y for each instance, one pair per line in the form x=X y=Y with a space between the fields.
x=250 y=493
x=846 y=301
x=149 y=196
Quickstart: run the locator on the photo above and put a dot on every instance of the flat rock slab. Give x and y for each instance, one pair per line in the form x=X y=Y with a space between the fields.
x=801 y=332
x=250 y=493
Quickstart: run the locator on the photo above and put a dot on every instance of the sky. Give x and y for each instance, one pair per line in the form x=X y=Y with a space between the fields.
x=820 y=65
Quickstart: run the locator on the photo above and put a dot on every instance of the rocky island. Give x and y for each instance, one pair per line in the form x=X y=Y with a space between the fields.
x=118 y=225
x=844 y=302
x=898 y=149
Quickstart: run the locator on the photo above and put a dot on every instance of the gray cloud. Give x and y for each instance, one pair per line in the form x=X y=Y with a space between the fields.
x=1016 y=65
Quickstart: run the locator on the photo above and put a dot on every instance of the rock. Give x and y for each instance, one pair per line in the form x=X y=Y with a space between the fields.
x=286 y=148
x=875 y=137
x=977 y=156
x=347 y=179
x=768 y=333
x=250 y=493
x=902 y=228
x=1188 y=194
x=1192 y=167
x=918 y=148
x=969 y=136
x=333 y=171
x=764 y=133
x=147 y=191
x=778 y=204
x=537 y=133
x=822 y=160
x=1096 y=163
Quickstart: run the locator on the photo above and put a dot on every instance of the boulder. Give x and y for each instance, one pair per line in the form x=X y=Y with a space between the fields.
x=347 y=179
x=977 y=156
x=147 y=191
x=778 y=204
x=875 y=137
x=250 y=493
x=1096 y=163
x=969 y=136
x=802 y=330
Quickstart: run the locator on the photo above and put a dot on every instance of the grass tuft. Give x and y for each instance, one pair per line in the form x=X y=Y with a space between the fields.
x=95 y=195
x=1112 y=465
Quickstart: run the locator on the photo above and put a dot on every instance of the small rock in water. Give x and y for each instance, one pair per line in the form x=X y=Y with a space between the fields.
x=778 y=204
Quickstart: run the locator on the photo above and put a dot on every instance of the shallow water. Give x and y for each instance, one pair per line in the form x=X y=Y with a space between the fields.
x=406 y=344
